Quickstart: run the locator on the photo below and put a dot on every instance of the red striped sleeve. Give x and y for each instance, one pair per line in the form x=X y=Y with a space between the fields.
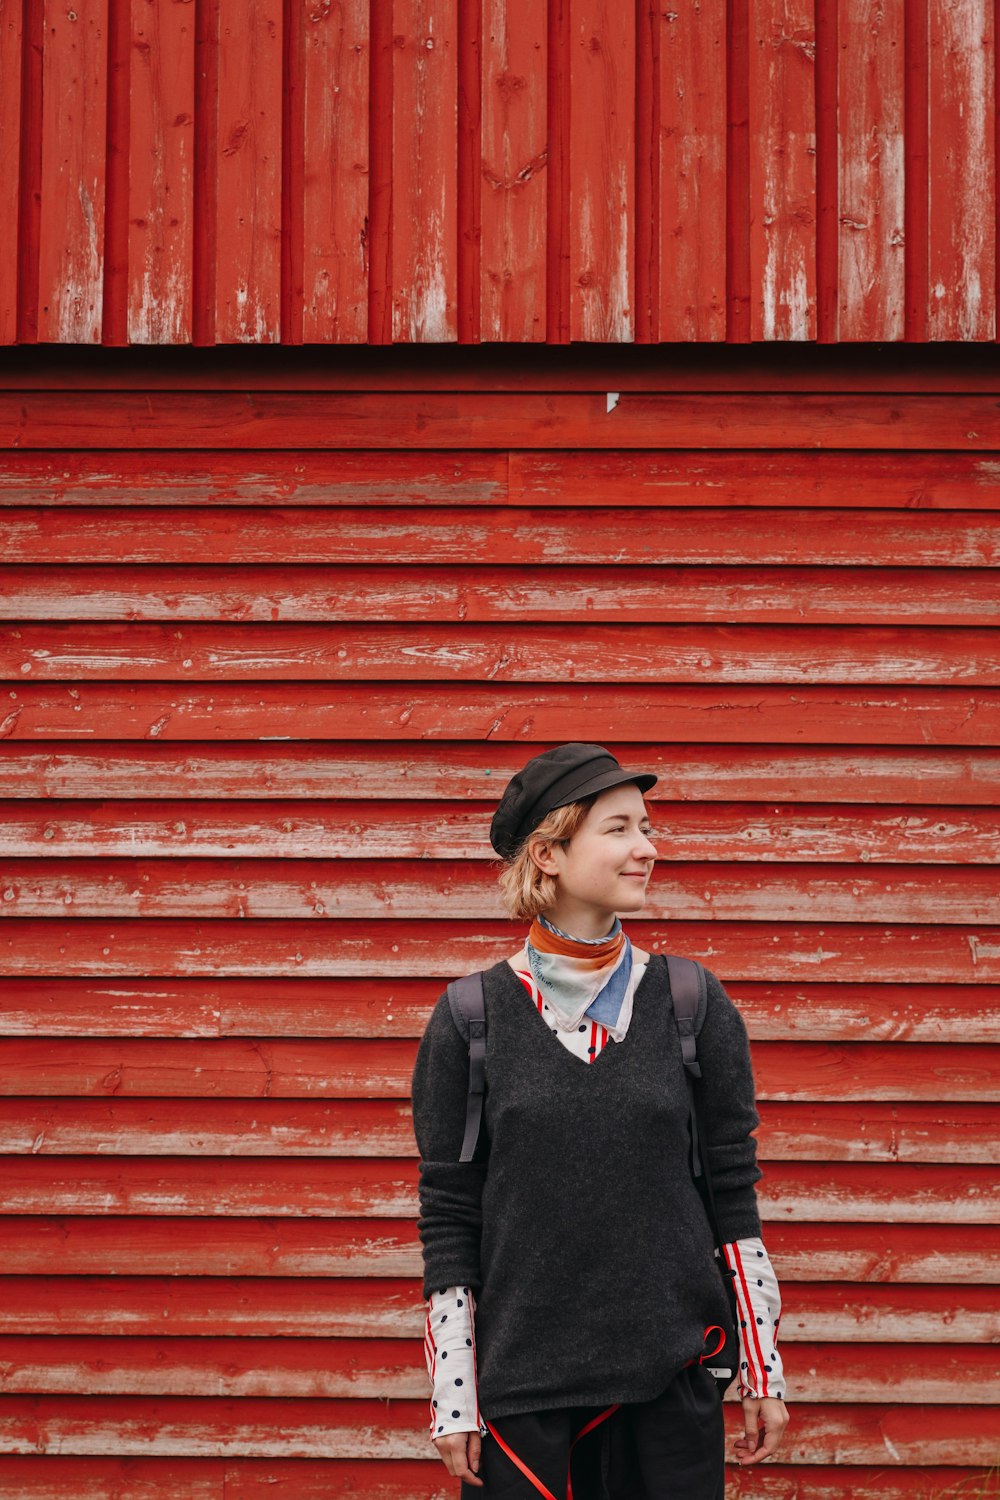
x=756 y=1374
x=475 y=1369
x=430 y=1354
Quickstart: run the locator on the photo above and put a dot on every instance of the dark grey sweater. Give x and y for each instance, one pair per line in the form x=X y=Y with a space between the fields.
x=583 y=1239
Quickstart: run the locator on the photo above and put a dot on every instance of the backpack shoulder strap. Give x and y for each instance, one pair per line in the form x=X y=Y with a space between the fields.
x=468 y=1011
x=689 y=994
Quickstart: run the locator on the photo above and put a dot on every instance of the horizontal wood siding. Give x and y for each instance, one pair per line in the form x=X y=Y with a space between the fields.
x=270 y=657
x=497 y=171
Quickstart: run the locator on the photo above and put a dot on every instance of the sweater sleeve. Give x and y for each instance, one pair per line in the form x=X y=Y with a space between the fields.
x=730 y=1114
x=450 y=1191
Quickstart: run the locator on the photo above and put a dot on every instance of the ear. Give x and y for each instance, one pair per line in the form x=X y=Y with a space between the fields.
x=541 y=853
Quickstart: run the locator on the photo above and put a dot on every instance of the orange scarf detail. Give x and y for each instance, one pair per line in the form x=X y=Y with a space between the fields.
x=591 y=956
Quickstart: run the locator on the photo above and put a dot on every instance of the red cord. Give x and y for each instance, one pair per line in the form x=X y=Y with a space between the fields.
x=539 y=1486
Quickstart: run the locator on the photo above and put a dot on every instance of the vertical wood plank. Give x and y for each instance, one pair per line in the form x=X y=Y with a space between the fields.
x=293 y=142
x=30 y=170
x=335 y=80
x=602 y=170
x=870 y=258
x=961 y=171
x=916 y=111
x=515 y=157
x=380 y=176
x=739 y=287
x=425 y=171
x=206 y=122
x=996 y=169
x=782 y=169
x=248 y=170
x=557 y=293
x=161 y=172
x=692 y=172
x=114 y=329
x=827 y=72
x=74 y=143
x=10 y=161
x=648 y=28
x=469 y=180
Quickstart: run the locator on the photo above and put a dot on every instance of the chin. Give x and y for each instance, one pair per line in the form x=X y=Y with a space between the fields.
x=637 y=902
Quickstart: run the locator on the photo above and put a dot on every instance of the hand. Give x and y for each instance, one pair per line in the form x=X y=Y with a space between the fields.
x=764 y=1422
x=460 y=1455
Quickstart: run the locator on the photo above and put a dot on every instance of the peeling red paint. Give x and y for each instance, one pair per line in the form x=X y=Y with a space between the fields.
x=582 y=169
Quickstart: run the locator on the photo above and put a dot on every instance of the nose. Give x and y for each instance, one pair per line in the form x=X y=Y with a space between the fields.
x=645 y=848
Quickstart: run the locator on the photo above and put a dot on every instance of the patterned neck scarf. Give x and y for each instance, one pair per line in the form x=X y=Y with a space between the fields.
x=581 y=976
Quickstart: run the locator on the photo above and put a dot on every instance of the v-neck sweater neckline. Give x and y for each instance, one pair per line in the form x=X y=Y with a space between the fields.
x=525 y=1000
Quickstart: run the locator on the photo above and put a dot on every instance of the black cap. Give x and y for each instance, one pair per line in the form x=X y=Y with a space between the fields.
x=551 y=780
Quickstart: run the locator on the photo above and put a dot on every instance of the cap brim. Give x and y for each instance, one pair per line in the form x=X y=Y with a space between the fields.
x=607 y=779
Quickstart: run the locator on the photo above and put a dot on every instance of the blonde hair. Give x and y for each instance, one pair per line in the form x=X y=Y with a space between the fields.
x=525 y=889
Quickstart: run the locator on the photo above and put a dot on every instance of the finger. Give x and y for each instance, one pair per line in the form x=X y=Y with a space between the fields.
x=757 y=1456
x=452 y=1451
x=772 y=1437
x=749 y=1448
x=751 y=1418
x=465 y=1473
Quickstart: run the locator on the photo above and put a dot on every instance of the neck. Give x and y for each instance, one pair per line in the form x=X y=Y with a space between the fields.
x=589 y=922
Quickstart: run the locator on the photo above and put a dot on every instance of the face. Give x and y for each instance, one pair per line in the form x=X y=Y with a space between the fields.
x=606 y=866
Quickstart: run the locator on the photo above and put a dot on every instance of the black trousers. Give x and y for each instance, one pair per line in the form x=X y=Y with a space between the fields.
x=670 y=1448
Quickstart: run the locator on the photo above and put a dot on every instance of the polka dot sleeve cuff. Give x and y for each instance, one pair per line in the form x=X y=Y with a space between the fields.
x=450 y=1350
x=758 y=1302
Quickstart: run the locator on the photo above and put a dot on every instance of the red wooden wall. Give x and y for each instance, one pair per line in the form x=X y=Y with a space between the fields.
x=277 y=638
x=400 y=171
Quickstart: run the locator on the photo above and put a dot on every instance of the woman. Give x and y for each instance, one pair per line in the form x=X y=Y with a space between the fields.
x=569 y=1267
